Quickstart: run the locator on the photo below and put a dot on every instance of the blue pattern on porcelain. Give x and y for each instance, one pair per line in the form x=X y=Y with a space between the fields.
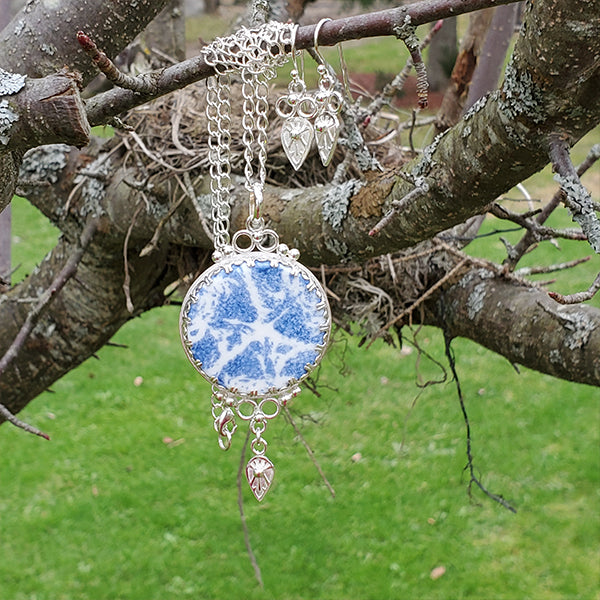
x=256 y=324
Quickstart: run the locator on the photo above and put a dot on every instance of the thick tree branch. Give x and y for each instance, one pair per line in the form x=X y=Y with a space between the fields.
x=47 y=111
x=41 y=40
x=523 y=324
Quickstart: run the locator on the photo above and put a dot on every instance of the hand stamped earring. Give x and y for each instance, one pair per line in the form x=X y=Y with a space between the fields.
x=257 y=322
x=329 y=102
x=297 y=107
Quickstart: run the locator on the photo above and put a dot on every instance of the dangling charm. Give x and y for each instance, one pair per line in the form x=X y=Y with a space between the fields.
x=296 y=108
x=256 y=322
x=329 y=102
x=327 y=124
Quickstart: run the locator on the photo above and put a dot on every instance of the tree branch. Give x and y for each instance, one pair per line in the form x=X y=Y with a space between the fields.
x=579 y=296
x=382 y=23
x=525 y=242
x=576 y=197
x=48 y=295
x=6 y=415
x=522 y=324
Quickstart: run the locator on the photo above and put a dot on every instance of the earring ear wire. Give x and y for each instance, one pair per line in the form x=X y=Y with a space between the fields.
x=327 y=125
x=316 y=39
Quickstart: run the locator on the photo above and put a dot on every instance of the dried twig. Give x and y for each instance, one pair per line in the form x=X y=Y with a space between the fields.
x=449 y=275
x=127 y=278
x=309 y=451
x=398 y=205
x=470 y=465
x=537 y=270
x=240 y=474
x=579 y=296
x=538 y=232
x=8 y=416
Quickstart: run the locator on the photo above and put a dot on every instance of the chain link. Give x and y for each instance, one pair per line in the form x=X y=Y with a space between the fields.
x=255 y=54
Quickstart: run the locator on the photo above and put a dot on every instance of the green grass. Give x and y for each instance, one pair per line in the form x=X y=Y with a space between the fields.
x=107 y=509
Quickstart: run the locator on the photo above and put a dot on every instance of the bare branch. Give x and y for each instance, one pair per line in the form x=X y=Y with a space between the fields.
x=579 y=296
x=141 y=84
x=576 y=197
x=398 y=205
x=525 y=242
x=538 y=232
x=8 y=416
x=526 y=271
x=43 y=302
x=382 y=23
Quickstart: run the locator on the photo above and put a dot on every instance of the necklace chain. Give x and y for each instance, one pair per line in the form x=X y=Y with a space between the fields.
x=255 y=54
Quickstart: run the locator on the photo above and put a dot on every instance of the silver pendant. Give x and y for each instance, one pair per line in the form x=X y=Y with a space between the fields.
x=255 y=324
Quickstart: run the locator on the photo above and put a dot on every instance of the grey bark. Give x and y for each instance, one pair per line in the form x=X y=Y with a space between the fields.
x=41 y=38
x=522 y=324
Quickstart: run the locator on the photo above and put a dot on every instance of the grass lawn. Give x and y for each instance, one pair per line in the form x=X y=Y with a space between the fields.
x=133 y=499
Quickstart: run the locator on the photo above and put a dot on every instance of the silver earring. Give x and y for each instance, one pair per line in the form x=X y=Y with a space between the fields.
x=329 y=103
x=296 y=108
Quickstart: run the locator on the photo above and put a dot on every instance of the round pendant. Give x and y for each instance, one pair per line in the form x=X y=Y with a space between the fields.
x=255 y=324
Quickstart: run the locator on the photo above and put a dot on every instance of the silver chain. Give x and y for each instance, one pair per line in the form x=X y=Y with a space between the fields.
x=255 y=54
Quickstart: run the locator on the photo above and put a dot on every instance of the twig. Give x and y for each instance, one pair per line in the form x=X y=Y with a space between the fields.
x=398 y=205
x=253 y=560
x=521 y=247
x=470 y=466
x=142 y=84
x=36 y=312
x=537 y=270
x=309 y=451
x=127 y=278
x=579 y=296
x=189 y=189
x=537 y=231
x=576 y=197
x=153 y=243
x=422 y=298
x=8 y=416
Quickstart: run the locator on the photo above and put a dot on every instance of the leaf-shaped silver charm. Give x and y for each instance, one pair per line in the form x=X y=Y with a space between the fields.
x=296 y=139
x=259 y=473
x=327 y=131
